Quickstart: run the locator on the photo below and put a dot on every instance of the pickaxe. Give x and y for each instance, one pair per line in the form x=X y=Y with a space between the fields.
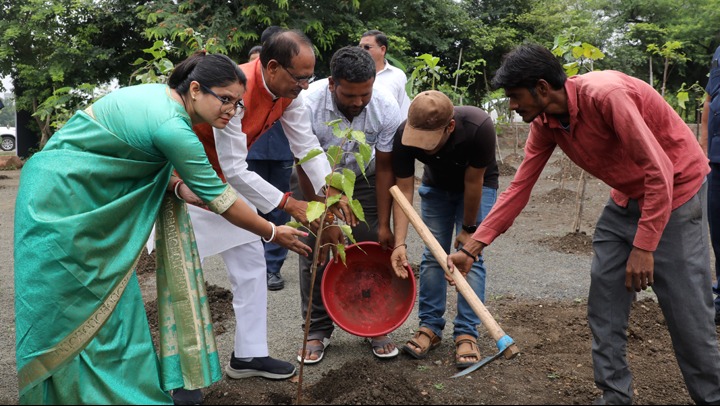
x=505 y=344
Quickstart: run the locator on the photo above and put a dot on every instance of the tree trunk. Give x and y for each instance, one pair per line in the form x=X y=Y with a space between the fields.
x=579 y=201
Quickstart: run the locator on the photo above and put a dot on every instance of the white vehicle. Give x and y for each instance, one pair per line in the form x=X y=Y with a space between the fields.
x=7 y=138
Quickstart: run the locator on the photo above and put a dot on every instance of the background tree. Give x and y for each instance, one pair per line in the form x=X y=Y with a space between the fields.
x=49 y=44
x=58 y=52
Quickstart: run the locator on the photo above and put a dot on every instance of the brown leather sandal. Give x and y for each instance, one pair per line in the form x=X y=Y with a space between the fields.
x=425 y=340
x=466 y=340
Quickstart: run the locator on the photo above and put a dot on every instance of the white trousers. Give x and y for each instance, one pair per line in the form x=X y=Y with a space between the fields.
x=246 y=269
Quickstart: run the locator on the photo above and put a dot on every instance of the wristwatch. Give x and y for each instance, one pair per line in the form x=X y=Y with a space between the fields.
x=469 y=229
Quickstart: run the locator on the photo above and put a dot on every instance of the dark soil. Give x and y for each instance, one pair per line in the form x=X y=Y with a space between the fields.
x=570 y=243
x=553 y=367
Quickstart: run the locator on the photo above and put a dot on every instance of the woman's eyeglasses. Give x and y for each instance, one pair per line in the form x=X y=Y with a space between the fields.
x=227 y=107
x=299 y=81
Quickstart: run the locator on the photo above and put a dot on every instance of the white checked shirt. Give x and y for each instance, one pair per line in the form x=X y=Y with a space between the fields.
x=379 y=120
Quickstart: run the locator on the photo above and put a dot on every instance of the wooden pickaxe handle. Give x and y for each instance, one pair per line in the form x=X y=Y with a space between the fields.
x=497 y=333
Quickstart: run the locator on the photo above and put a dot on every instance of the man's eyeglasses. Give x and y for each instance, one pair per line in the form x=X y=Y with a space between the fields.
x=227 y=107
x=366 y=46
x=298 y=80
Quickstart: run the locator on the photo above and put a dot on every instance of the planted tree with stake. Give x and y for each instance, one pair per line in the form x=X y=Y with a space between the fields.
x=339 y=185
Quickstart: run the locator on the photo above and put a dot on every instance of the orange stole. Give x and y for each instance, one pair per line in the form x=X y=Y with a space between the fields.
x=261 y=112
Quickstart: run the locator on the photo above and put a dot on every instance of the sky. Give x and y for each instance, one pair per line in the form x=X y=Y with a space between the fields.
x=6 y=83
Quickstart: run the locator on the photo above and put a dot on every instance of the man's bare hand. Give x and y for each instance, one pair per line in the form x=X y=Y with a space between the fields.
x=297 y=209
x=342 y=209
x=462 y=261
x=331 y=236
x=386 y=238
x=399 y=261
x=461 y=239
x=639 y=270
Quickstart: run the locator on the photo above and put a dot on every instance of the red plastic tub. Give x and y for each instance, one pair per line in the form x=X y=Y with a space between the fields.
x=365 y=298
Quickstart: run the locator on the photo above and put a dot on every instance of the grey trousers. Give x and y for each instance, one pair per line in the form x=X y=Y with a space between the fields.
x=683 y=285
x=321 y=325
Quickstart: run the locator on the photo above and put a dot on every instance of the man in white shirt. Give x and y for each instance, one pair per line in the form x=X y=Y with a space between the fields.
x=349 y=96
x=387 y=77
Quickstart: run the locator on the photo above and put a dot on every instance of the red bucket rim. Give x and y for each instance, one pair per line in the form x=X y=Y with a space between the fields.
x=351 y=251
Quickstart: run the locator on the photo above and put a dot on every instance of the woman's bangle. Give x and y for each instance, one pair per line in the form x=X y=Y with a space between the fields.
x=177 y=186
x=400 y=245
x=468 y=253
x=284 y=200
x=272 y=236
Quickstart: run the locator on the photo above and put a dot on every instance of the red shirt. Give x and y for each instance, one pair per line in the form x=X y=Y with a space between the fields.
x=625 y=134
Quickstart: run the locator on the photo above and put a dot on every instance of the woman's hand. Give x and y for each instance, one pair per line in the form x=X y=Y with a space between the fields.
x=288 y=237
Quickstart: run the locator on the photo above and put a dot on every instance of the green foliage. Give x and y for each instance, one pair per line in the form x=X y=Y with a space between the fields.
x=343 y=181
x=577 y=55
x=156 y=69
x=53 y=44
x=427 y=72
x=49 y=45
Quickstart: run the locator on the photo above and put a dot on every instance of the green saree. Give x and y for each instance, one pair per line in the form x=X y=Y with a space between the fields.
x=85 y=208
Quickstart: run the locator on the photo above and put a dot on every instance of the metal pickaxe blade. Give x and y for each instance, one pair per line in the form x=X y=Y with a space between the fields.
x=503 y=341
x=505 y=344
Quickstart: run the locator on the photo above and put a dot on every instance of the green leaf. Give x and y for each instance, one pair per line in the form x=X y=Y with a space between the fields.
x=294 y=224
x=335 y=180
x=357 y=209
x=348 y=182
x=360 y=160
x=358 y=136
x=341 y=253
x=347 y=230
x=315 y=210
x=682 y=98
x=366 y=152
x=333 y=199
x=310 y=155
x=334 y=154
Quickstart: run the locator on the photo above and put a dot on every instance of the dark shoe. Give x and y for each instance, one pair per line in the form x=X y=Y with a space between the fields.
x=275 y=281
x=265 y=367
x=187 y=397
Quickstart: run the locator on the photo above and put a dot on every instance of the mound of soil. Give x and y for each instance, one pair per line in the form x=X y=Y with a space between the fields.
x=571 y=243
x=568 y=172
x=506 y=169
x=554 y=367
x=513 y=159
x=558 y=195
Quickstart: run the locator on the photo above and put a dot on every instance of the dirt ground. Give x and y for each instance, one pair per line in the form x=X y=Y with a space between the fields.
x=554 y=365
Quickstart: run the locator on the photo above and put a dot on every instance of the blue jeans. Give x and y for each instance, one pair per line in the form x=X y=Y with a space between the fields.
x=442 y=212
x=277 y=173
x=713 y=212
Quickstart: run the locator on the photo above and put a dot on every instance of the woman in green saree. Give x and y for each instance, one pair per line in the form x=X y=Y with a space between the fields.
x=85 y=208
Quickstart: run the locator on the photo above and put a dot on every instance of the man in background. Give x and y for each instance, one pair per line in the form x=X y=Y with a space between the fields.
x=710 y=142
x=271 y=158
x=387 y=77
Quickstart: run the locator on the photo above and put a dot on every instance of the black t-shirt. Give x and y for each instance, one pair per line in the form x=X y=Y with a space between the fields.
x=471 y=144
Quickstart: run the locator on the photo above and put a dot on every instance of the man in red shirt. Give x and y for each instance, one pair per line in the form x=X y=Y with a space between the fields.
x=651 y=232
